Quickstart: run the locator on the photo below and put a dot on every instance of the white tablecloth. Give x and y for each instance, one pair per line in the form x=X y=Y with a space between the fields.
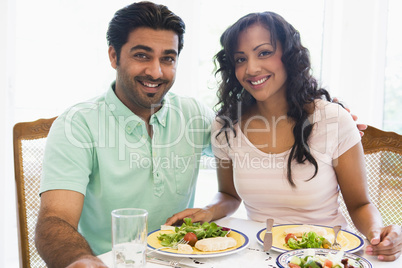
x=252 y=256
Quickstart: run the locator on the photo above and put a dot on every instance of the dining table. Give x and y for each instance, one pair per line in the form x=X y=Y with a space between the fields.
x=252 y=255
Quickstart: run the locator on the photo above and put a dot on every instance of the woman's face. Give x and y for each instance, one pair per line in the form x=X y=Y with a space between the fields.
x=258 y=67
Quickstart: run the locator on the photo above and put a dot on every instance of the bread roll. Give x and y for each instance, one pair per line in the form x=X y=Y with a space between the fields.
x=215 y=243
x=184 y=248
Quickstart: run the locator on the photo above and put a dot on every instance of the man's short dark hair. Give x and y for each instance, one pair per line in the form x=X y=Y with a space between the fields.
x=142 y=14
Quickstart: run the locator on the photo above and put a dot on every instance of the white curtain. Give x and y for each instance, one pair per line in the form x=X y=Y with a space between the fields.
x=353 y=62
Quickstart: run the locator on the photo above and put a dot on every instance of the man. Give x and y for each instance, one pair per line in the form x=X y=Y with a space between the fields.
x=135 y=146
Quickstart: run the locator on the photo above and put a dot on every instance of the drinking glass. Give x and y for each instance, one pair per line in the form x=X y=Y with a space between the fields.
x=129 y=237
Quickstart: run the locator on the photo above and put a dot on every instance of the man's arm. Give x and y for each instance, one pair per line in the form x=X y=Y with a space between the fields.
x=56 y=238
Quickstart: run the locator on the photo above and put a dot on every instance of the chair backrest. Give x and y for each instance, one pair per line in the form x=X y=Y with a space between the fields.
x=383 y=155
x=29 y=140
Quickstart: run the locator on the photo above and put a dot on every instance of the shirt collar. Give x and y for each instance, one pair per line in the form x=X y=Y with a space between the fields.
x=162 y=113
x=124 y=116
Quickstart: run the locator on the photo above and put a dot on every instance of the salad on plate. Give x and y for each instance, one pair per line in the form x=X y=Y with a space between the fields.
x=192 y=232
x=312 y=260
x=206 y=237
x=308 y=240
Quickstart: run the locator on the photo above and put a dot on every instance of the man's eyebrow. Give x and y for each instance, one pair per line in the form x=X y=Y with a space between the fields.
x=149 y=49
x=170 y=51
x=137 y=47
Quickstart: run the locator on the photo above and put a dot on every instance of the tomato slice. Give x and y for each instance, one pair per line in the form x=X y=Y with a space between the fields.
x=191 y=238
x=327 y=263
x=288 y=236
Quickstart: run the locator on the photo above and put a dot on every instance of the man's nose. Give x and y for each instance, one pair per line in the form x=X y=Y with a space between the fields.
x=154 y=69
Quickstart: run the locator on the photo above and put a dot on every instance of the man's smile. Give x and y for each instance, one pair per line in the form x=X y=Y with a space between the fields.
x=150 y=85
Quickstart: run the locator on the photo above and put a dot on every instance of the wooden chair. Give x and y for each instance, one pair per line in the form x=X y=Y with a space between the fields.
x=383 y=155
x=29 y=141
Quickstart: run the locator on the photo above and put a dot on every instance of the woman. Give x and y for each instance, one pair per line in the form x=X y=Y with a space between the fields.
x=279 y=146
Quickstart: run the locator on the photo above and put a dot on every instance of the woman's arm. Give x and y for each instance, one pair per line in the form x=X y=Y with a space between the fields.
x=386 y=242
x=351 y=173
x=225 y=202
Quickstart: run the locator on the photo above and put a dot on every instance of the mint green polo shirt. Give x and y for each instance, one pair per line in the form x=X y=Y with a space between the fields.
x=102 y=150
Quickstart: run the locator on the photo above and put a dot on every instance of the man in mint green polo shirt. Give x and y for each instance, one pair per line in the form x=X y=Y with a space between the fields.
x=135 y=146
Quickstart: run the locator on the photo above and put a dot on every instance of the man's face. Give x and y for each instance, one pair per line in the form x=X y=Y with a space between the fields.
x=147 y=68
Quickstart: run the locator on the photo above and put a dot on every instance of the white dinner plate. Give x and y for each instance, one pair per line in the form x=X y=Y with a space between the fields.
x=283 y=259
x=241 y=239
x=350 y=242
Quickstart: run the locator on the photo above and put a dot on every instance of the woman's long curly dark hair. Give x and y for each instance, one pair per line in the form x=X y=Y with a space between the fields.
x=301 y=87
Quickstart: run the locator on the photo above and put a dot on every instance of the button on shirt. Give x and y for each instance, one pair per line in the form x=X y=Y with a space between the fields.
x=102 y=150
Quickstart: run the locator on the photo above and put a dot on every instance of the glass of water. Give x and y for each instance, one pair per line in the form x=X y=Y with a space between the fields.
x=129 y=237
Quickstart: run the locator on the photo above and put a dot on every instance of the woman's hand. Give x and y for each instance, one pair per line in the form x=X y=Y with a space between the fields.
x=386 y=243
x=225 y=202
x=196 y=215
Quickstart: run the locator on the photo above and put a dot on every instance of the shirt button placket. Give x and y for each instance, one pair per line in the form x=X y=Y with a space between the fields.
x=158 y=178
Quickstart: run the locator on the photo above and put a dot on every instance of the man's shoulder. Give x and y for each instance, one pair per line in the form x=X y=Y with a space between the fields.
x=85 y=108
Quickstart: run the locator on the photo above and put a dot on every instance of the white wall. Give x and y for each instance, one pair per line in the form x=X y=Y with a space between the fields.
x=8 y=228
x=3 y=78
